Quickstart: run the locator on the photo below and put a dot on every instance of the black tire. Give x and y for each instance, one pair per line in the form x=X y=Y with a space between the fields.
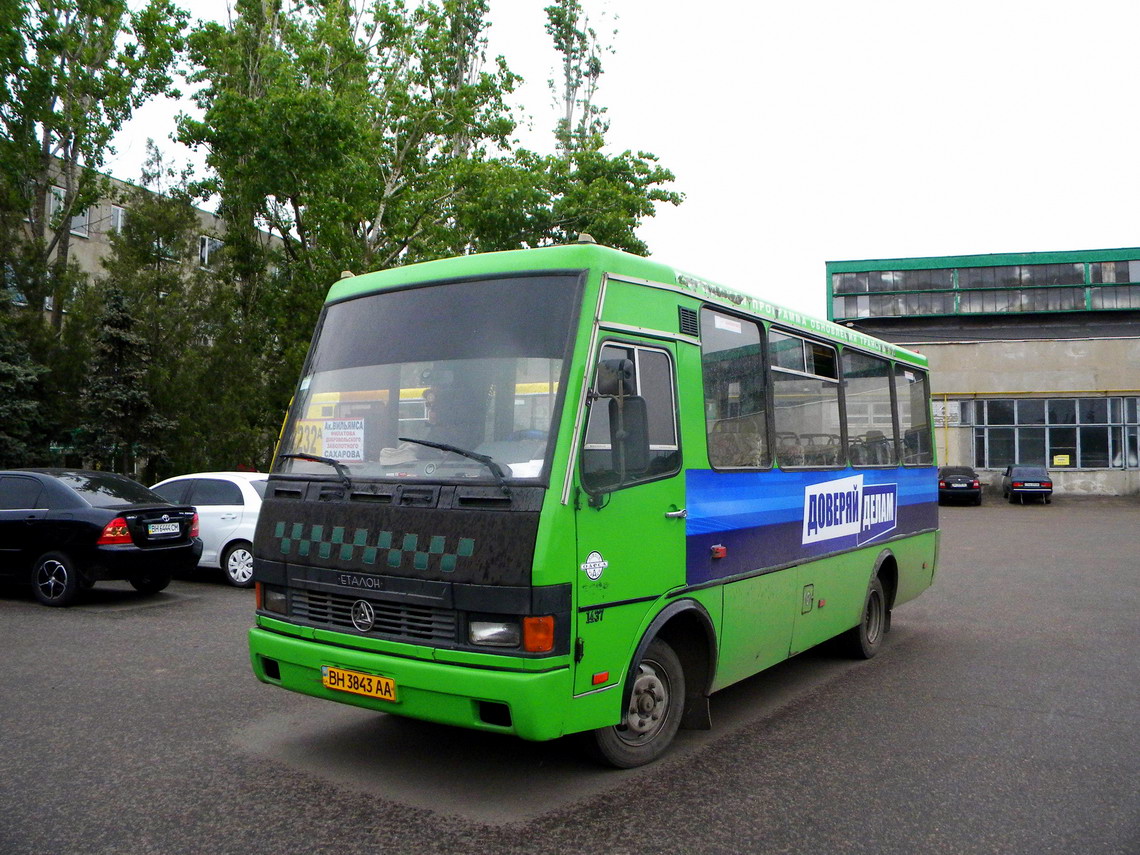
x=237 y=564
x=651 y=719
x=150 y=583
x=55 y=580
x=863 y=641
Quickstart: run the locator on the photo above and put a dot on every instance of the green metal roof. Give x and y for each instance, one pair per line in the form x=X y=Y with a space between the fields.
x=1004 y=259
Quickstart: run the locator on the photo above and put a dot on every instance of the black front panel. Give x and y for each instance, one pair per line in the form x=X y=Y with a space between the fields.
x=420 y=562
x=446 y=539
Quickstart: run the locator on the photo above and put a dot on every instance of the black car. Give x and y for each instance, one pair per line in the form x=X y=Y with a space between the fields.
x=1017 y=482
x=959 y=483
x=65 y=529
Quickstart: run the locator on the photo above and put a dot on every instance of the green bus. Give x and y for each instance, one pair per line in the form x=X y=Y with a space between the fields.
x=572 y=490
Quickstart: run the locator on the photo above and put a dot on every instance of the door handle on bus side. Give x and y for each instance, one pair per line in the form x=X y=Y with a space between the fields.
x=677 y=515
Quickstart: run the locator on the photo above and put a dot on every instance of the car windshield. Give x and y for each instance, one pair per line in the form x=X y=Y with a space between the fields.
x=958 y=471
x=105 y=489
x=1029 y=472
x=396 y=379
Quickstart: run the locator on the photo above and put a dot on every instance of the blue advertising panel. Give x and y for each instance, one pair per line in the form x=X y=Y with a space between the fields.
x=764 y=520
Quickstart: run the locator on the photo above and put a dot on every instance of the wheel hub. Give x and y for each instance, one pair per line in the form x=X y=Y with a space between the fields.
x=52 y=579
x=648 y=702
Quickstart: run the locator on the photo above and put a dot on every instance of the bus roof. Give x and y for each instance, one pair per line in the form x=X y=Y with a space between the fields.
x=582 y=256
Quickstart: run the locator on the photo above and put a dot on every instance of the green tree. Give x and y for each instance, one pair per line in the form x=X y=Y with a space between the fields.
x=73 y=72
x=119 y=423
x=606 y=196
x=206 y=378
x=21 y=442
x=350 y=134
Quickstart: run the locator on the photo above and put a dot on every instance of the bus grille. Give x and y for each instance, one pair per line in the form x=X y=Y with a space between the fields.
x=393 y=620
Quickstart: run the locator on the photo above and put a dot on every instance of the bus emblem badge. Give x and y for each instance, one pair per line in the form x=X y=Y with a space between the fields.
x=363 y=616
x=594 y=566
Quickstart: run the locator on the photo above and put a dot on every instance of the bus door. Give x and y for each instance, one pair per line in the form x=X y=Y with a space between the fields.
x=629 y=506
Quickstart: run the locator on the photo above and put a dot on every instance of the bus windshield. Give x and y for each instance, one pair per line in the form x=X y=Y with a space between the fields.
x=395 y=377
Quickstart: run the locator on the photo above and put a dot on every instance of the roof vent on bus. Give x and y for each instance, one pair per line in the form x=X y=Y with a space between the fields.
x=585 y=238
x=346 y=274
x=688 y=321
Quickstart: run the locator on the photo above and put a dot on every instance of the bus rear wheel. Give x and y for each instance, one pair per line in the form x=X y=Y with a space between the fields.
x=863 y=641
x=651 y=717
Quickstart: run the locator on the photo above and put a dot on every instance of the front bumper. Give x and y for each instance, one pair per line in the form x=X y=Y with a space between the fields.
x=460 y=695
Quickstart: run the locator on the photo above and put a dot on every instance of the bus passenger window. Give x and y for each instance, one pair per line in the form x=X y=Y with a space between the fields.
x=640 y=407
x=736 y=418
x=911 y=397
x=805 y=390
x=867 y=397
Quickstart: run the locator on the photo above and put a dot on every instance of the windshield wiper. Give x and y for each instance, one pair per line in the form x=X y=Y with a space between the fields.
x=340 y=468
x=495 y=468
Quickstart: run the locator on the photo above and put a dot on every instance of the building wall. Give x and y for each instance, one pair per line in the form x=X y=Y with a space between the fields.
x=1093 y=367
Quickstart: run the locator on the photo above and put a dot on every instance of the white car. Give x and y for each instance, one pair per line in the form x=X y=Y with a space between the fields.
x=228 y=504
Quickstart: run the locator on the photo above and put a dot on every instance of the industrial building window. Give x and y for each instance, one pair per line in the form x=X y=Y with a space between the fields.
x=1115 y=285
x=1060 y=433
x=987 y=290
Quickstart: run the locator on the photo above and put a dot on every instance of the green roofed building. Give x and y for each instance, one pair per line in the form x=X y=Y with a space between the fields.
x=1034 y=356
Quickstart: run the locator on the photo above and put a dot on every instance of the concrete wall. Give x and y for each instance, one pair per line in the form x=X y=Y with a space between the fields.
x=988 y=369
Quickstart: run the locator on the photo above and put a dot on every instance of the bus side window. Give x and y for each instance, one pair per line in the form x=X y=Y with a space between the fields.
x=911 y=398
x=805 y=394
x=736 y=417
x=642 y=408
x=867 y=398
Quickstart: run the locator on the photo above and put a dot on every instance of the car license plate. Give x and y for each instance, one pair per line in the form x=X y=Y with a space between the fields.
x=369 y=685
x=162 y=528
x=1032 y=484
x=959 y=486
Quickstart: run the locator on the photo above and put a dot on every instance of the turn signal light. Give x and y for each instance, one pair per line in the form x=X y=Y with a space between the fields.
x=538 y=634
x=115 y=532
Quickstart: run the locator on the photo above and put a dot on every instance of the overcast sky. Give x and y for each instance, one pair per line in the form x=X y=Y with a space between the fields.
x=805 y=132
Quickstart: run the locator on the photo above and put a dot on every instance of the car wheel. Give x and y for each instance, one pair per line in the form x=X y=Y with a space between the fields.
x=238 y=564
x=150 y=583
x=651 y=718
x=55 y=580
x=863 y=641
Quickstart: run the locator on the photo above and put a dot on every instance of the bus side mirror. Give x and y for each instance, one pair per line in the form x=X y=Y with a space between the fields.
x=629 y=434
x=615 y=377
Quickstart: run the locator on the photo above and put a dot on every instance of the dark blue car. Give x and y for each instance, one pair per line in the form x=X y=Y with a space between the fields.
x=65 y=529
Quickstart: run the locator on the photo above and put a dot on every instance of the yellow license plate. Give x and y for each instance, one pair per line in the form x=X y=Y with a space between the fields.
x=368 y=685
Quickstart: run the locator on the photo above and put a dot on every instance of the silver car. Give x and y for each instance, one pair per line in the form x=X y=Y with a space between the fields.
x=228 y=504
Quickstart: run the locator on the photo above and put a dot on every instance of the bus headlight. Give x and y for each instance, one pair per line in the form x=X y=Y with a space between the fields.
x=272 y=599
x=494 y=633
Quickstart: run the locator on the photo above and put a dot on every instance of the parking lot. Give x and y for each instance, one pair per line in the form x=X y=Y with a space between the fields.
x=1003 y=716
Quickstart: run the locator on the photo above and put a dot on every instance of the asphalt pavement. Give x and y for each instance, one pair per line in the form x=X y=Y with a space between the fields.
x=1002 y=716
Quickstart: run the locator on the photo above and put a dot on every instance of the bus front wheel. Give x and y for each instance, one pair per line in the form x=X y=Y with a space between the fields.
x=651 y=717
